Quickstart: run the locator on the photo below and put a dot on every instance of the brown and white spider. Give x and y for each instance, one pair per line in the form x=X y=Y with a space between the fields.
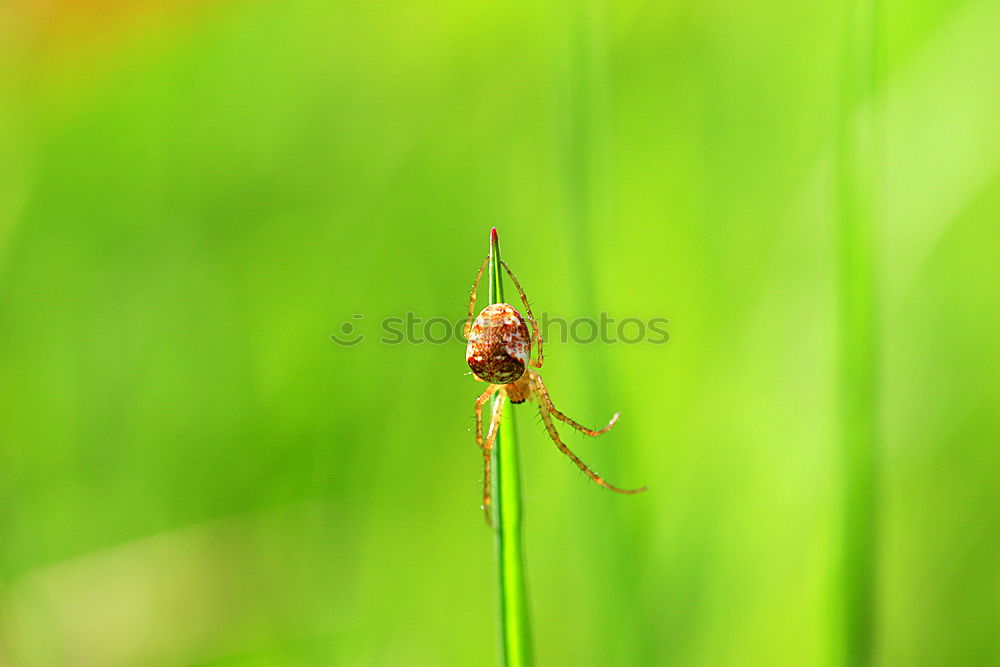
x=499 y=352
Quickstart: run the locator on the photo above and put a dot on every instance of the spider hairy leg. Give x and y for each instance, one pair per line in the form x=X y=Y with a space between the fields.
x=485 y=396
x=554 y=434
x=472 y=296
x=543 y=394
x=537 y=363
x=491 y=438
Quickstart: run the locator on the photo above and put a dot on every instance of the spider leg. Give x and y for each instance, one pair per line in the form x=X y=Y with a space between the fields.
x=551 y=428
x=491 y=438
x=537 y=363
x=543 y=395
x=472 y=296
x=485 y=396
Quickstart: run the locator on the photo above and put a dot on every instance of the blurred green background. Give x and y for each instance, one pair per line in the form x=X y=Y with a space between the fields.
x=194 y=196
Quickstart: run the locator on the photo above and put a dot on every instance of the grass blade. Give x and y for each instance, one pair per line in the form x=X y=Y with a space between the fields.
x=515 y=629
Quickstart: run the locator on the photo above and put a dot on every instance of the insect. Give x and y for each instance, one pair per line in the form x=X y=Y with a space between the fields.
x=499 y=353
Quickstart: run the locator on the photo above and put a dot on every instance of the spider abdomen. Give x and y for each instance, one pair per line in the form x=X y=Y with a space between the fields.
x=499 y=344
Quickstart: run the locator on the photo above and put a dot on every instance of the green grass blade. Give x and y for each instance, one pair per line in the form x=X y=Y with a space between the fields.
x=515 y=629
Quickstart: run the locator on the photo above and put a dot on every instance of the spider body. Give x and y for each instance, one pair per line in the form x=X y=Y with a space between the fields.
x=499 y=345
x=499 y=353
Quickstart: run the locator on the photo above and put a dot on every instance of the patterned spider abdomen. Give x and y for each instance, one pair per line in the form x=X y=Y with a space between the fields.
x=499 y=344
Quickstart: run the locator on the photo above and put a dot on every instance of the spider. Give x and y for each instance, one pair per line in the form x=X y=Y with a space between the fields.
x=499 y=353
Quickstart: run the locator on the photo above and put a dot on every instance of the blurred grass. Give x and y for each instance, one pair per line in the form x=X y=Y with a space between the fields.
x=193 y=197
x=859 y=187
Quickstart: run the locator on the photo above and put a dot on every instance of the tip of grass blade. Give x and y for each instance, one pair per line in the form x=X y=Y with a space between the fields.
x=496 y=285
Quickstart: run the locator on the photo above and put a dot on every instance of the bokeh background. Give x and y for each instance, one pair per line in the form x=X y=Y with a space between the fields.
x=195 y=195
